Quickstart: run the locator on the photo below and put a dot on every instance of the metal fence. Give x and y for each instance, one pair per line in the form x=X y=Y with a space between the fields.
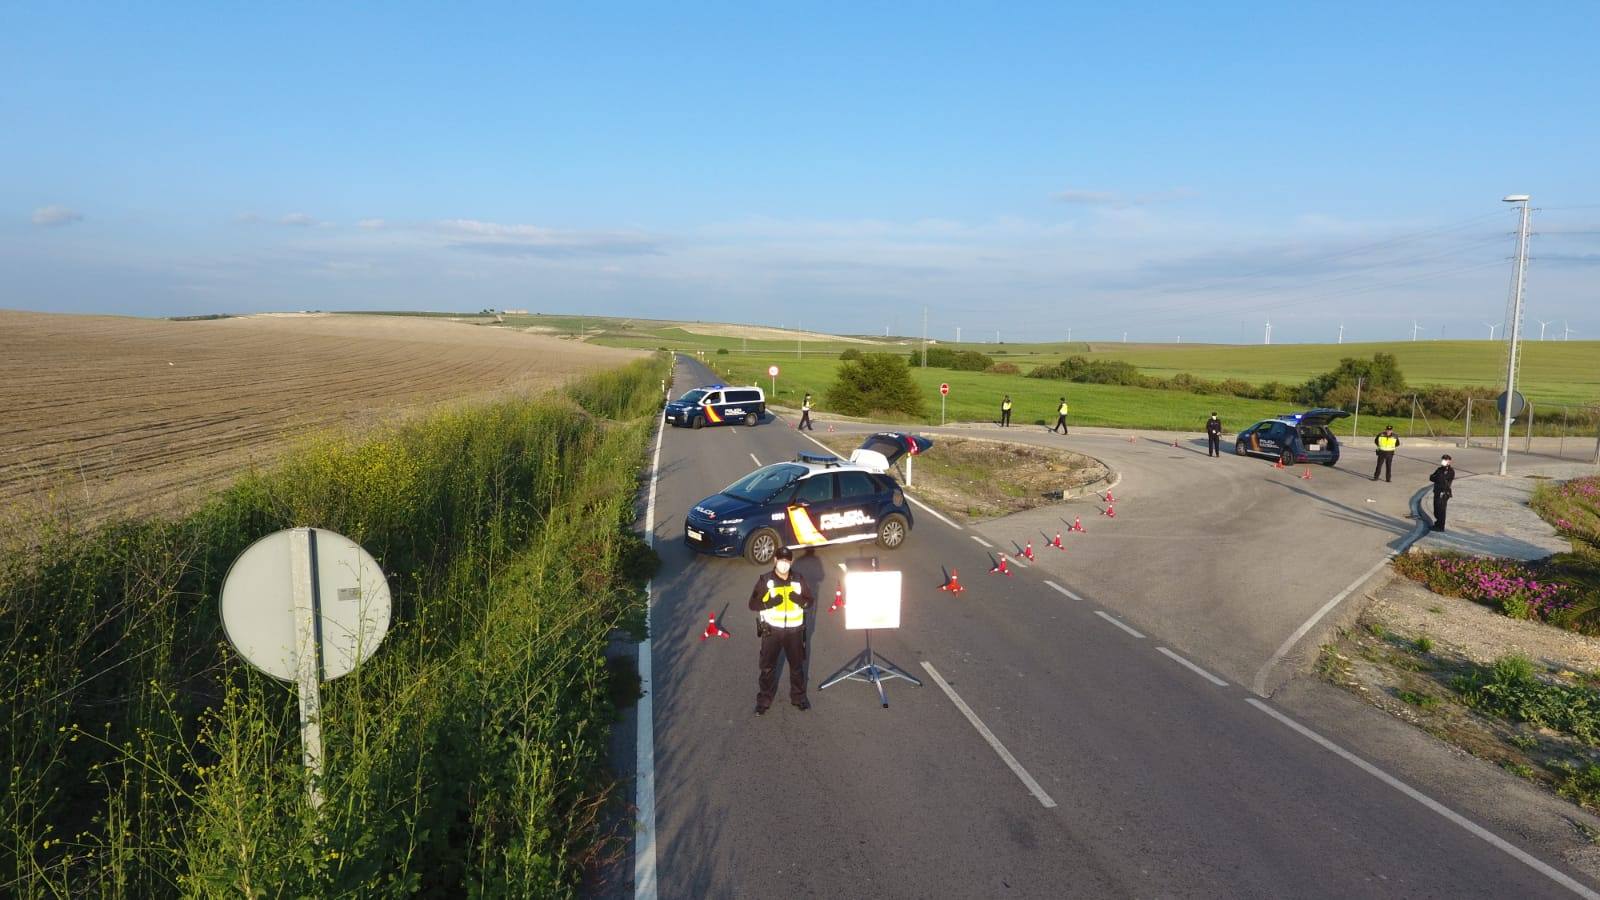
x=1560 y=430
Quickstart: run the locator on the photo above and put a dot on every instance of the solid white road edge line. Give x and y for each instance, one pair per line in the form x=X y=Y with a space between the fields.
x=1260 y=685
x=1510 y=849
x=982 y=541
x=1119 y=623
x=925 y=507
x=644 y=766
x=754 y=460
x=1005 y=755
x=1191 y=667
x=1068 y=593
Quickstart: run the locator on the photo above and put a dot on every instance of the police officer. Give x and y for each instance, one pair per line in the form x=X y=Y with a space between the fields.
x=1061 y=417
x=805 y=415
x=1005 y=412
x=1214 y=436
x=1443 y=479
x=1387 y=442
x=782 y=599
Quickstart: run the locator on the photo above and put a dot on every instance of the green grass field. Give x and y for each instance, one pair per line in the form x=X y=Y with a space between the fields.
x=1553 y=372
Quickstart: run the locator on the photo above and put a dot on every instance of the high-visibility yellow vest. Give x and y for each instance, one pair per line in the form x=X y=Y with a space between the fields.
x=1387 y=444
x=1006 y=405
x=787 y=614
x=1062 y=410
x=806 y=406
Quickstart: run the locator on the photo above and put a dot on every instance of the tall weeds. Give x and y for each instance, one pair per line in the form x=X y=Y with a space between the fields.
x=140 y=757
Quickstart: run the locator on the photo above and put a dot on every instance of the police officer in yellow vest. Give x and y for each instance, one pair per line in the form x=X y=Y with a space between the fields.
x=1387 y=442
x=1005 y=412
x=1061 y=417
x=805 y=415
x=782 y=599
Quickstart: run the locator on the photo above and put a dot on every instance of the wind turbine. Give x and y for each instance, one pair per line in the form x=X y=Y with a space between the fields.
x=1566 y=331
x=1414 y=329
x=1491 y=328
x=1268 y=338
x=1542 y=325
x=1341 y=332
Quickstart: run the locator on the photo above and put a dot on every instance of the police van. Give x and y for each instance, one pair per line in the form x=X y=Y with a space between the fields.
x=814 y=501
x=717 y=404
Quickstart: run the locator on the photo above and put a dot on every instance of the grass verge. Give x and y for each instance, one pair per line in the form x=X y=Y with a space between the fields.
x=141 y=758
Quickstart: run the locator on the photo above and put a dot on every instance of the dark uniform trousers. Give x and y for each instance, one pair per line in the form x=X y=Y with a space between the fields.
x=1213 y=444
x=792 y=643
x=1005 y=418
x=1441 y=499
x=805 y=420
x=1385 y=465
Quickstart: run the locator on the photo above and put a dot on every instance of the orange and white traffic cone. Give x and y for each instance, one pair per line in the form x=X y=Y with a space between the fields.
x=1057 y=542
x=1110 y=511
x=831 y=429
x=1000 y=567
x=1027 y=551
x=838 y=600
x=1077 y=524
x=954 y=584
x=1109 y=498
x=1306 y=475
x=1175 y=445
x=1130 y=438
x=1278 y=464
x=712 y=628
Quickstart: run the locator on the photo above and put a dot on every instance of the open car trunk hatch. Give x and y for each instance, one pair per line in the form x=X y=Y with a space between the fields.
x=883 y=449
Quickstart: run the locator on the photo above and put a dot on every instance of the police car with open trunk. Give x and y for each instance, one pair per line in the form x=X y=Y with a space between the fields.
x=814 y=501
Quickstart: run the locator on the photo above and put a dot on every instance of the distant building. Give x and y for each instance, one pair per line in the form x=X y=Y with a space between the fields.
x=515 y=312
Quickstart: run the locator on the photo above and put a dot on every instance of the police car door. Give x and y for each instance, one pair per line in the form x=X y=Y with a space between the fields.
x=860 y=504
x=813 y=511
x=711 y=407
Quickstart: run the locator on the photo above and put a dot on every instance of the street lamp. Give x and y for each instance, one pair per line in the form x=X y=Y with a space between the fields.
x=1514 y=331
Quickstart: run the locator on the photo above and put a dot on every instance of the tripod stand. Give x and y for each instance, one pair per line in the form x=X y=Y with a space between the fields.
x=871 y=669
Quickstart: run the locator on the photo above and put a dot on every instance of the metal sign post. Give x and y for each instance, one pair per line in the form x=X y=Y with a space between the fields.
x=307 y=606
x=944 y=391
x=772 y=372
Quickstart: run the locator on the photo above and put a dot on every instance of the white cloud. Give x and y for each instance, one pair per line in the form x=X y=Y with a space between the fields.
x=48 y=216
x=1116 y=200
x=372 y=224
x=298 y=219
x=500 y=239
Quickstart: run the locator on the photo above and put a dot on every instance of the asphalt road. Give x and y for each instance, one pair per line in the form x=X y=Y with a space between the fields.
x=1154 y=780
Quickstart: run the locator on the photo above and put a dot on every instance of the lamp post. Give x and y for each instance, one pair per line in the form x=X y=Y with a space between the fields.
x=1514 y=329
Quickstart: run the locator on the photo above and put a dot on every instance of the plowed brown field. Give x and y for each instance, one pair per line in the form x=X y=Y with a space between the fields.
x=101 y=414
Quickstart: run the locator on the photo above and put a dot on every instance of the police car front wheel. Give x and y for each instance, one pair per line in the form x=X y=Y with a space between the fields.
x=892 y=531
x=698 y=423
x=761 y=547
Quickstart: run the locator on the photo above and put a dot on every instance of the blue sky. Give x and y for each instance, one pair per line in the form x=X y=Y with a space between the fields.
x=1160 y=169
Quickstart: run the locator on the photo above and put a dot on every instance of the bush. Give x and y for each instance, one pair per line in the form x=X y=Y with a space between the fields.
x=972 y=361
x=947 y=358
x=1518 y=589
x=722 y=351
x=877 y=382
x=850 y=353
x=1005 y=368
x=1510 y=689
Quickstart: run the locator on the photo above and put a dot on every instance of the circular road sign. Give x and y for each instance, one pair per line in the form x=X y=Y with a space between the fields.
x=346 y=583
x=944 y=388
x=772 y=371
x=1518 y=404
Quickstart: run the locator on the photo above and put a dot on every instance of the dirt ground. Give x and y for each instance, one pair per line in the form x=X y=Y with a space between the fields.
x=768 y=334
x=1409 y=646
x=973 y=479
x=106 y=413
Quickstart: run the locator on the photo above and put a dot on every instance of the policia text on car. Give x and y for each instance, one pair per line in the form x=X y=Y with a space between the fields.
x=782 y=598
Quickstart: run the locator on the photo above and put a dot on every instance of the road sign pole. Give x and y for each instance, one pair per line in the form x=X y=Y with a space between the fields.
x=941 y=409
x=308 y=655
x=1519 y=275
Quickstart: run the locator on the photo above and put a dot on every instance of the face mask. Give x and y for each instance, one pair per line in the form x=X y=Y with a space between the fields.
x=1444 y=462
x=783 y=569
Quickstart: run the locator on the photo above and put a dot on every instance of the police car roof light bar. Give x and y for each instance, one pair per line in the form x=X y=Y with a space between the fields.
x=820 y=459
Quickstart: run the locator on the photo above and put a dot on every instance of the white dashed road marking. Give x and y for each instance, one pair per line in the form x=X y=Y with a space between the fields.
x=1119 y=623
x=1005 y=755
x=1191 y=667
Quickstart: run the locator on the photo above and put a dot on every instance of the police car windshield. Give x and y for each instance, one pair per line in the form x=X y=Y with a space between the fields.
x=693 y=396
x=763 y=484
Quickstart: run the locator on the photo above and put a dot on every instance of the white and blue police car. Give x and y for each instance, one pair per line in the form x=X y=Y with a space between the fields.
x=717 y=404
x=1303 y=437
x=814 y=501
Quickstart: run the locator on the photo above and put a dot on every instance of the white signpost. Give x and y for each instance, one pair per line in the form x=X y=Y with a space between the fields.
x=306 y=605
x=772 y=372
x=872 y=600
x=944 y=391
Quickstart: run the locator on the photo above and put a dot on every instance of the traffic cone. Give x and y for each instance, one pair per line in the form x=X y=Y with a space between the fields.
x=712 y=628
x=1000 y=567
x=954 y=584
x=1278 y=464
x=1027 y=552
x=1130 y=438
x=1306 y=475
x=1057 y=542
x=1175 y=445
x=1110 y=511
x=1109 y=498
x=830 y=428
x=838 y=600
x=1077 y=524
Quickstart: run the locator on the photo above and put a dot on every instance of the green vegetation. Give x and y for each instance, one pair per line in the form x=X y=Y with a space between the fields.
x=139 y=757
x=875 y=384
x=1510 y=690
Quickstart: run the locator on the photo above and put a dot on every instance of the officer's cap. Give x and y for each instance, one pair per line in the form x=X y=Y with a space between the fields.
x=783 y=553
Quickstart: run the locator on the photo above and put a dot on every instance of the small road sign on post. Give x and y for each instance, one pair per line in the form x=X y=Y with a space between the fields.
x=308 y=606
x=944 y=391
x=772 y=372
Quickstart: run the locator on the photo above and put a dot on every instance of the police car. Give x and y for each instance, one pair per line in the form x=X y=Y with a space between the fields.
x=816 y=500
x=717 y=404
x=1293 y=438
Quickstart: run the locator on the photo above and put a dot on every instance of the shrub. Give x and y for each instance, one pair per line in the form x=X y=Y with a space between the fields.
x=1510 y=689
x=1518 y=589
x=722 y=351
x=877 y=382
x=1004 y=368
x=850 y=353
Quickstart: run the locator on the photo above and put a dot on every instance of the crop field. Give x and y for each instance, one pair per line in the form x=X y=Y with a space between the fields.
x=110 y=413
